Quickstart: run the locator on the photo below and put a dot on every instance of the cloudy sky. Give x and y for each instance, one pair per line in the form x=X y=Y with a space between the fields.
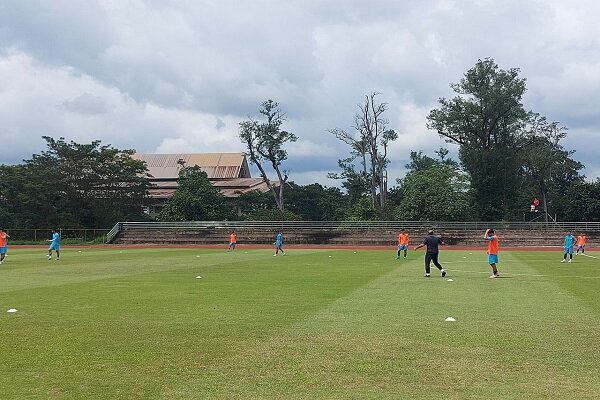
x=178 y=76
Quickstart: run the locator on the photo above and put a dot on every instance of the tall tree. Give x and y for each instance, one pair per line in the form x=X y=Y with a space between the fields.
x=264 y=142
x=195 y=199
x=75 y=185
x=369 y=142
x=546 y=164
x=489 y=122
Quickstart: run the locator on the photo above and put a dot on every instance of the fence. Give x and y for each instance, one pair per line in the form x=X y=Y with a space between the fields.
x=353 y=225
x=67 y=235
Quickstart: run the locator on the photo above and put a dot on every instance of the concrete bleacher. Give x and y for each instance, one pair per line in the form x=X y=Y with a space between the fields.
x=338 y=237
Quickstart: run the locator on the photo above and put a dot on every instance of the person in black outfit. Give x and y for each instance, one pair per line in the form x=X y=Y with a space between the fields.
x=432 y=242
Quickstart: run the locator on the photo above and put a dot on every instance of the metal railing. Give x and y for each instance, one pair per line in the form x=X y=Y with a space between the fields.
x=42 y=234
x=354 y=225
x=114 y=232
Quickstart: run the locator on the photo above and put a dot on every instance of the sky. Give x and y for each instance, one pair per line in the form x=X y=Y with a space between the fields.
x=162 y=76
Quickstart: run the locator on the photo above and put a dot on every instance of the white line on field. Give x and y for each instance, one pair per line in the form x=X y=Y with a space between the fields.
x=589 y=256
x=531 y=275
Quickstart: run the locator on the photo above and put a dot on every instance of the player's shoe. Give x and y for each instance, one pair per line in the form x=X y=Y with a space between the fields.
x=495 y=276
x=397 y=258
x=443 y=273
x=284 y=254
x=274 y=255
x=570 y=261
x=563 y=260
x=427 y=275
x=58 y=259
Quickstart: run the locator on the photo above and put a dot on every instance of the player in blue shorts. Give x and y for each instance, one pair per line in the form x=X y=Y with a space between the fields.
x=54 y=245
x=492 y=239
x=3 y=244
x=402 y=244
x=279 y=244
x=569 y=243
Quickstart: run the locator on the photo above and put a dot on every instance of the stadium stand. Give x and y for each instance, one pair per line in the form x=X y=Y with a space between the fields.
x=343 y=233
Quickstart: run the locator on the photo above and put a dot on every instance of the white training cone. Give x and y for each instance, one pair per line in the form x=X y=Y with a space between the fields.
x=197 y=256
x=354 y=252
x=465 y=257
x=450 y=319
x=12 y=310
x=329 y=256
x=450 y=280
x=198 y=277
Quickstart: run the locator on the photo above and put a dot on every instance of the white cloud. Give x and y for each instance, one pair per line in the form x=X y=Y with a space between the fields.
x=307 y=148
x=179 y=76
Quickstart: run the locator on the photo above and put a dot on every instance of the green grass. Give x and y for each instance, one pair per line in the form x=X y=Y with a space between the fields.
x=137 y=324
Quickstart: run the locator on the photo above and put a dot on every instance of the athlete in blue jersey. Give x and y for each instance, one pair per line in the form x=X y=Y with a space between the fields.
x=279 y=244
x=54 y=245
x=569 y=243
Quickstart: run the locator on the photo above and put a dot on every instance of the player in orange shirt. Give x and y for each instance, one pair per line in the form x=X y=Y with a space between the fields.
x=492 y=239
x=3 y=244
x=402 y=243
x=232 y=241
x=581 y=239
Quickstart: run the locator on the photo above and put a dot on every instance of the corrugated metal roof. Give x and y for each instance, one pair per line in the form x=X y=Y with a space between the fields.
x=241 y=182
x=216 y=165
x=228 y=188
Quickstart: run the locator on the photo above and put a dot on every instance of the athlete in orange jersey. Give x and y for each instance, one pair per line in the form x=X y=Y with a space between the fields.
x=581 y=239
x=3 y=244
x=492 y=239
x=232 y=241
x=402 y=244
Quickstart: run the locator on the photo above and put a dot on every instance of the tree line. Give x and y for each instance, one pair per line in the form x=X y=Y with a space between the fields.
x=507 y=156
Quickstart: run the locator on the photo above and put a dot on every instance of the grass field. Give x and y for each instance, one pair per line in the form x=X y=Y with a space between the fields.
x=138 y=324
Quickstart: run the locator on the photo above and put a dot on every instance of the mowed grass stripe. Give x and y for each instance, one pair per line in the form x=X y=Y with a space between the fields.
x=26 y=269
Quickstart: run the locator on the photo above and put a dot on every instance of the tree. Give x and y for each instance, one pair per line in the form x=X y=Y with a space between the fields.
x=371 y=138
x=489 y=123
x=28 y=200
x=75 y=185
x=310 y=202
x=582 y=202
x=265 y=141
x=356 y=183
x=546 y=165
x=433 y=190
x=254 y=202
x=314 y=202
x=421 y=162
x=195 y=199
